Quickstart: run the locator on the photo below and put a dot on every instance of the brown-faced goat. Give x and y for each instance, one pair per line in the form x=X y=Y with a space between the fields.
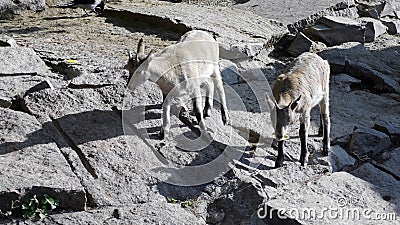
x=303 y=85
x=181 y=69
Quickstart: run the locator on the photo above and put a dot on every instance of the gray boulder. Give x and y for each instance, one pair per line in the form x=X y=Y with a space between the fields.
x=31 y=163
x=368 y=141
x=345 y=82
x=303 y=44
x=9 y=8
x=390 y=161
x=383 y=184
x=393 y=25
x=391 y=128
x=371 y=77
x=373 y=28
x=253 y=28
x=341 y=191
x=290 y=174
x=159 y=212
x=354 y=59
x=357 y=108
x=337 y=30
x=298 y=15
x=338 y=159
x=100 y=172
x=21 y=61
x=14 y=88
x=376 y=9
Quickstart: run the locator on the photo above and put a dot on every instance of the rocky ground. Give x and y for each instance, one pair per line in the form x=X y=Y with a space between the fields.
x=71 y=130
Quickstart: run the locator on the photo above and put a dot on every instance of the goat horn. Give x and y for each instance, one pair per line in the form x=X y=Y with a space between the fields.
x=140 y=47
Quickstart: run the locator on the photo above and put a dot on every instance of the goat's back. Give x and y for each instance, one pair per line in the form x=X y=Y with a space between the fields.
x=307 y=76
x=196 y=54
x=193 y=45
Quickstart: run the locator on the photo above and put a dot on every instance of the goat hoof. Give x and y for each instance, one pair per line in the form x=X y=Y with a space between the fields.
x=162 y=135
x=278 y=163
x=225 y=120
x=302 y=161
x=325 y=152
x=207 y=113
x=320 y=132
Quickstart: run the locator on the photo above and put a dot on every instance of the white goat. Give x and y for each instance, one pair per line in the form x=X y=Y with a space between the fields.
x=304 y=84
x=180 y=70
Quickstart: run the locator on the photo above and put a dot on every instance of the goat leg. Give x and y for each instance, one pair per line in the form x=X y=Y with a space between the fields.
x=281 y=157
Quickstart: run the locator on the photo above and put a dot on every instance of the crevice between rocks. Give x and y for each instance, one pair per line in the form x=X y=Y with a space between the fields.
x=89 y=198
x=18 y=74
x=299 y=26
x=78 y=151
x=154 y=21
x=385 y=170
x=87 y=86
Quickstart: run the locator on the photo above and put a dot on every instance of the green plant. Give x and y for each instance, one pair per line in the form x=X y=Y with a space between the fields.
x=187 y=203
x=184 y=204
x=5 y=214
x=38 y=208
x=172 y=200
x=31 y=208
x=8 y=213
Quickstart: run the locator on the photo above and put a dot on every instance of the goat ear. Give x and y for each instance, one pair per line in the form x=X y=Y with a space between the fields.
x=140 y=47
x=294 y=104
x=140 y=56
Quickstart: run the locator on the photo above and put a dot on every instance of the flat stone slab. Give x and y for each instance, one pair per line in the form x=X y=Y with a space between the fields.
x=12 y=87
x=31 y=163
x=291 y=173
x=334 y=30
x=356 y=54
x=393 y=26
x=384 y=48
x=391 y=128
x=106 y=161
x=20 y=61
x=359 y=108
x=295 y=13
x=338 y=159
x=391 y=161
x=159 y=212
x=239 y=26
x=365 y=141
x=340 y=198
